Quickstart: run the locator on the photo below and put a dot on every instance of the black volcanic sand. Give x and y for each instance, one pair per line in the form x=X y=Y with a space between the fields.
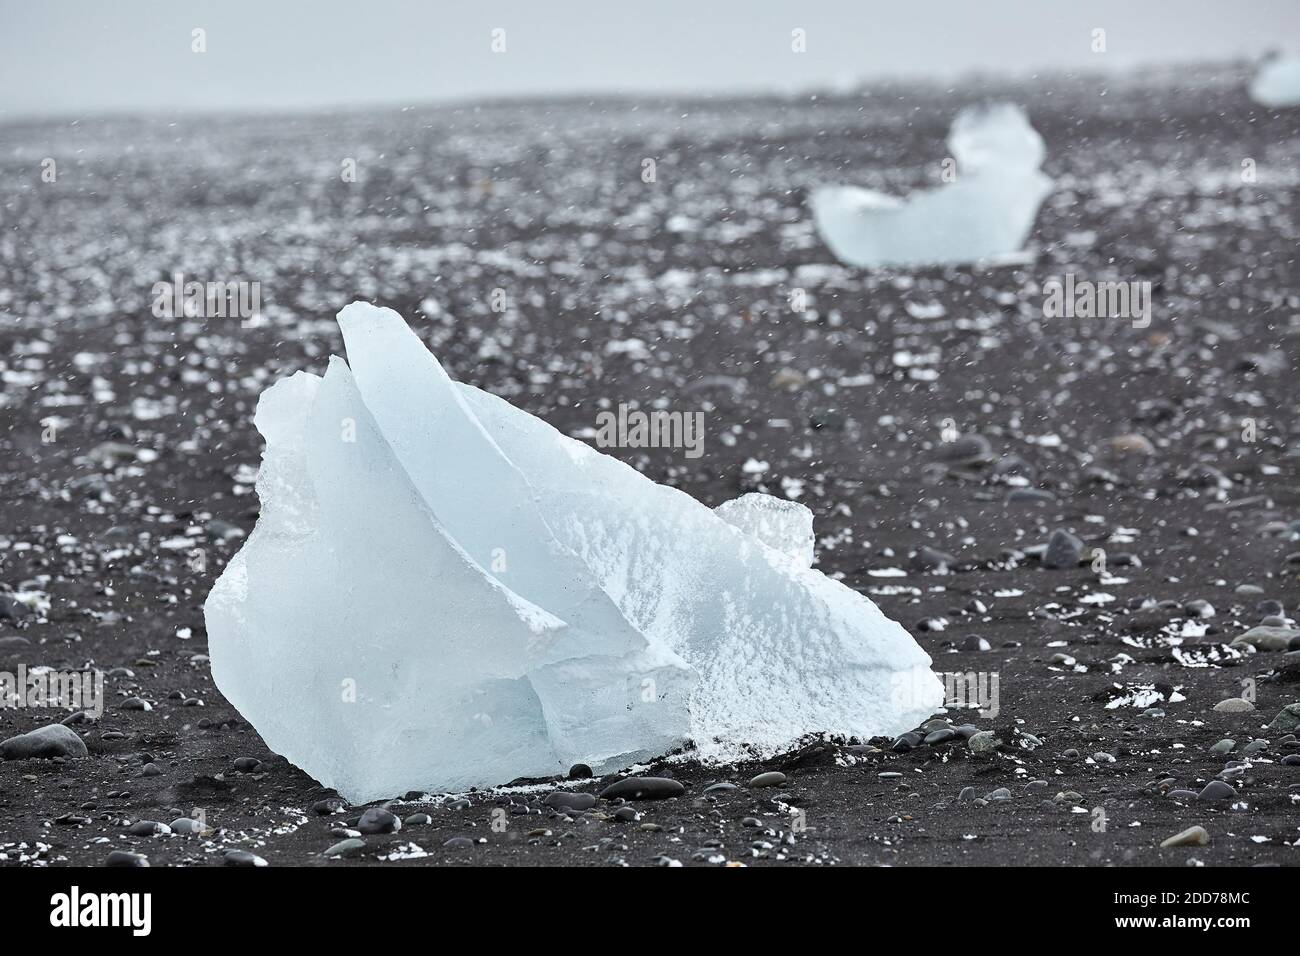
x=1102 y=714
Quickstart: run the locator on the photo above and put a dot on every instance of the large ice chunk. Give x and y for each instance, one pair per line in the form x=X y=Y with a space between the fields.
x=442 y=591
x=1278 y=82
x=986 y=213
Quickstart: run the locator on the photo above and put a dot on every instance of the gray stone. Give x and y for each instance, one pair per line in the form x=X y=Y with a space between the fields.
x=1064 y=550
x=346 y=848
x=773 y=778
x=56 y=740
x=1287 y=719
x=1217 y=790
x=1234 y=705
x=643 y=788
x=1267 y=638
x=1192 y=836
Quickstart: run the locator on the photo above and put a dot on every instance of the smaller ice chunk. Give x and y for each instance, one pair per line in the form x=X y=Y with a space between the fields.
x=987 y=213
x=785 y=526
x=1278 y=82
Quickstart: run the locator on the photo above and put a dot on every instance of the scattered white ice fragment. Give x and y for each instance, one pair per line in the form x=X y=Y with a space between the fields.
x=784 y=525
x=1278 y=82
x=443 y=592
x=985 y=214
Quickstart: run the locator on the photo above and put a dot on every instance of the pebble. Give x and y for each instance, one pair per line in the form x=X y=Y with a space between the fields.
x=1291 y=760
x=940 y=736
x=328 y=806
x=459 y=843
x=721 y=787
x=417 y=820
x=126 y=858
x=243 y=858
x=247 y=764
x=1267 y=638
x=967 y=794
x=973 y=642
x=145 y=828
x=643 y=788
x=983 y=742
x=55 y=740
x=1216 y=790
x=773 y=778
x=565 y=800
x=1224 y=746
x=1182 y=794
x=579 y=771
x=187 y=826
x=1030 y=496
x=1234 y=705
x=1192 y=836
x=1064 y=550
x=998 y=795
x=378 y=820
x=908 y=741
x=346 y=848
x=1287 y=719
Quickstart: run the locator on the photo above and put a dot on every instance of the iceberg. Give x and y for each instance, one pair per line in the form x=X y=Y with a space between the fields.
x=987 y=213
x=1277 y=83
x=443 y=592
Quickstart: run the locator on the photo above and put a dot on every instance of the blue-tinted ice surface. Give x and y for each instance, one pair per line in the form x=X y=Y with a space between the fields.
x=1278 y=82
x=985 y=214
x=443 y=591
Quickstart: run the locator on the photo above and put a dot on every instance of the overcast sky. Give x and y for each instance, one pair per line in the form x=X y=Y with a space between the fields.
x=84 y=56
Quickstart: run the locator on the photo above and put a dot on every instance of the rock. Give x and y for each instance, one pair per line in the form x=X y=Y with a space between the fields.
x=721 y=787
x=983 y=742
x=145 y=828
x=378 y=820
x=1287 y=719
x=417 y=820
x=967 y=794
x=1064 y=550
x=1183 y=795
x=908 y=741
x=54 y=740
x=247 y=764
x=459 y=843
x=773 y=778
x=973 y=642
x=242 y=858
x=643 y=788
x=346 y=848
x=126 y=858
x=186 y=826
x=971 y=449
x=1217 y=790
x=1224 y=746
x=940 y=736
x=567 y=801
x=1267 y=638
x=998 y=795
x=1234 y=705
x=1291 y=760
x=579 y=771
x=1192 y=836
x=329 y=806
x=1131 y=445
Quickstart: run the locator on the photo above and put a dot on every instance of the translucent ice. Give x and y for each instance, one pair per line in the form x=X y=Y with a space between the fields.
x=442 y=591
x=784 y=525
x=1278 y=82
x=987 y=212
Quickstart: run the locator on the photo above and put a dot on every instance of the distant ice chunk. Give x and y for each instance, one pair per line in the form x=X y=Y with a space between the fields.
x=985 y=214
x=443 y=592
x=1278 y=82
x=784 y=525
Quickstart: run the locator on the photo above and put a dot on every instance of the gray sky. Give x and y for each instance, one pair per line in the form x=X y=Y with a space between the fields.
x=83 y=56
